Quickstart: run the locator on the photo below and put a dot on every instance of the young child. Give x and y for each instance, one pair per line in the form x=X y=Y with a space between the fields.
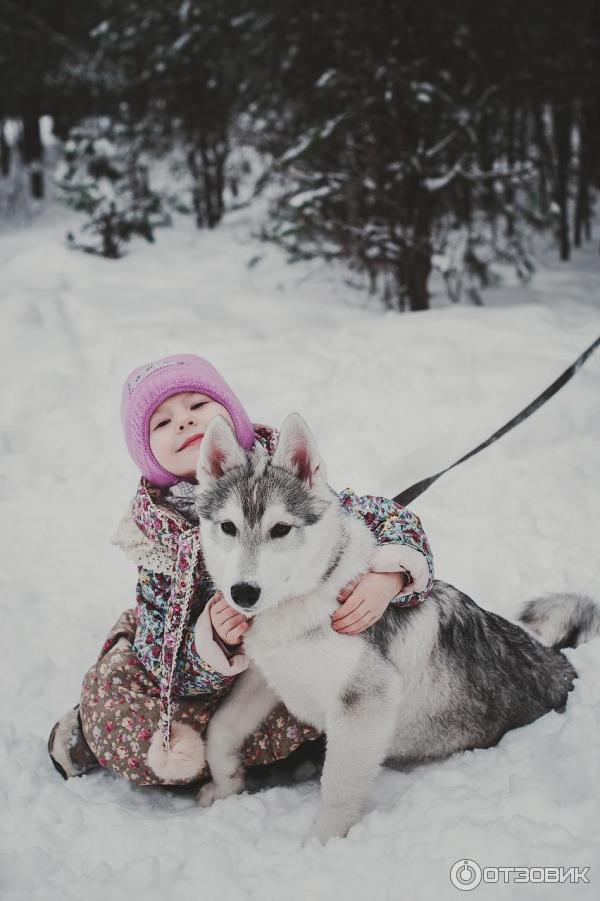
x=146 y=703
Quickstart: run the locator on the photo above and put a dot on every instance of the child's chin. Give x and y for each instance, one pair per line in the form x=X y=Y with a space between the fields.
x=189 y=472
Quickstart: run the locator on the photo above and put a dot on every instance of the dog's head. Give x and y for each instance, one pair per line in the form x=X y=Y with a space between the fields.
x=259 y=515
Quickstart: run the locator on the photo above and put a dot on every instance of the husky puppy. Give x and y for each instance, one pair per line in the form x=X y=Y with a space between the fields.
x=420 y=684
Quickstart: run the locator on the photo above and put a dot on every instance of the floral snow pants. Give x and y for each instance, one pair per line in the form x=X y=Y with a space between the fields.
x=120 y=708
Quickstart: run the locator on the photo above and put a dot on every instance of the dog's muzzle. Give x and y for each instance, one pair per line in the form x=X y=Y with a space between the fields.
x=244 y=594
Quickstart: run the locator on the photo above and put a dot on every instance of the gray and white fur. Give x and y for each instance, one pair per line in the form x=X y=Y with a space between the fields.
x=562 y=620
x=420 y=684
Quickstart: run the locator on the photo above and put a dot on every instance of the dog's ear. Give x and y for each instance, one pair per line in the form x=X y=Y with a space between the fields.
x=297 y=451
x=219 y=451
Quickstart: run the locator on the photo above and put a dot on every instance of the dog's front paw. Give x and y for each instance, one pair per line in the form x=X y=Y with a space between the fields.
x=212 y=791
x=311 y=837
x=326 y=827
x=207 y=794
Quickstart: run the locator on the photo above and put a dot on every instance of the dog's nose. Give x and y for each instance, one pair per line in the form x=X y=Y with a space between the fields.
x=245 y=594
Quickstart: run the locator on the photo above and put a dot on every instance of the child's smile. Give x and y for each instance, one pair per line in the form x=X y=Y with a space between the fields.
x=195 y=439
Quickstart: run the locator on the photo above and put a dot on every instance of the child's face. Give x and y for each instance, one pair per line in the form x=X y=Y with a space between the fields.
x=177 y=428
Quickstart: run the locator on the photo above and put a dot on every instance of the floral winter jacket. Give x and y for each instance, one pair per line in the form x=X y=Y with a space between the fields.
x=174 y=640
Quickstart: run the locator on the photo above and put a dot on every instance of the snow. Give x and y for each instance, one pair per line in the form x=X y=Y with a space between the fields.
x=304 y=197
x=322 y=132
x=392 y=398
x=325 y=78
x=436 y=184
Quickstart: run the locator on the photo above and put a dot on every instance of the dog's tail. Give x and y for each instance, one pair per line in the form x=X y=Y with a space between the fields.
x=562 y=620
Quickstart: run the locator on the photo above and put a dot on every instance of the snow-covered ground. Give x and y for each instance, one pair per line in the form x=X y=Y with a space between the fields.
x=391 y=398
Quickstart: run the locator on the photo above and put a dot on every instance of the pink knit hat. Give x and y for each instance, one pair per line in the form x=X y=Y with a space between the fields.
x=148 y=386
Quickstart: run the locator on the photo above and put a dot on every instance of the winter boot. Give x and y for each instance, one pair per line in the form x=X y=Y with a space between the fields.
x=68 y=749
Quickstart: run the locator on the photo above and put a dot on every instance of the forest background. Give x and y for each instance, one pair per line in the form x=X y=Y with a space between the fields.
x=400 y=138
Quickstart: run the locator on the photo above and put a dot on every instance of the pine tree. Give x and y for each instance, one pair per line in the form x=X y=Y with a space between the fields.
x=105 y=176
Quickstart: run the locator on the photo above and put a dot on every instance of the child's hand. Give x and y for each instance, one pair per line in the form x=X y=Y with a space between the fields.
x=227 y=622
x=365 y=599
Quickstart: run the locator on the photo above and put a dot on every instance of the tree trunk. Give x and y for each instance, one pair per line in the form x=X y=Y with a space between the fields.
x=485 y=164
x=33 y=149
x=208 y=185
x=206 y=163
x=562 y=142
x=466 y=202
x=524 y=137
x=510 y=159
x=545 y=168
x=582 y=197
x=4 y=151
x=415 y=256
x=413 y=276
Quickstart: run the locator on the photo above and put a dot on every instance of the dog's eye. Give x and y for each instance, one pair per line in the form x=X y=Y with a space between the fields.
x=228 y=527
x=279 y=530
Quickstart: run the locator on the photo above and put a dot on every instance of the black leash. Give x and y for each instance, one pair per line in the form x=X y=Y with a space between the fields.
x=409 y=494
